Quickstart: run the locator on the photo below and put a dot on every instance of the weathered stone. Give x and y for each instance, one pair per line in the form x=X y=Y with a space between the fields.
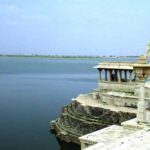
x=114 y=101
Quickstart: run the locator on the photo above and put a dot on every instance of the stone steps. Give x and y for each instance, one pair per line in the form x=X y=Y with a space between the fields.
x=77 y=120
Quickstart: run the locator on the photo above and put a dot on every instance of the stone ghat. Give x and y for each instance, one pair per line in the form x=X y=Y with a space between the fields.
x=85 y=115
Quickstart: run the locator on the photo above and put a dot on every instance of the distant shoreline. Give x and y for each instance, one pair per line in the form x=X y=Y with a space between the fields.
x=66 y=56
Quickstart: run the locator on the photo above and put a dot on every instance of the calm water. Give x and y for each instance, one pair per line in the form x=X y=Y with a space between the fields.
x=32 y=92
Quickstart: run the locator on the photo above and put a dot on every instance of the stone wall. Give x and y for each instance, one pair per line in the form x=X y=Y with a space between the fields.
x=77 y=120
x=147 y=92
x=120 y=101
x=115 y=86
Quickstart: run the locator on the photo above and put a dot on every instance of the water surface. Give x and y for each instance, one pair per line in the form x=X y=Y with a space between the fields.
x=33 y=91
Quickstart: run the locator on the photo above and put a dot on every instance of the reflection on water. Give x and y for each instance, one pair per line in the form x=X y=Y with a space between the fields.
x=64 y=145
x=68 y=146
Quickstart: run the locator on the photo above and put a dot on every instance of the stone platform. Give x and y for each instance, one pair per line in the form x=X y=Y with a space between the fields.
x=104 y=136
x=85 y=115
x=136 y=141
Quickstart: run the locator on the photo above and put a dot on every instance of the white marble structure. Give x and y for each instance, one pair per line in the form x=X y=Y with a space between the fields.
x=123 y=85
x=121 y=137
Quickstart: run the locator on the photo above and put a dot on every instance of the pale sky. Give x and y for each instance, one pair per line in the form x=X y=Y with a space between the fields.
x=74 y=27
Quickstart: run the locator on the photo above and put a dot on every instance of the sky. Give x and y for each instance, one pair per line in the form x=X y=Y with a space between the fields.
x=74 y=27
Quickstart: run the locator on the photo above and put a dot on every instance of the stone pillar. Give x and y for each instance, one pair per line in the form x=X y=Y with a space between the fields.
x=135 y=77
x=82 y=145
x=119 y=76
x=130 y=76
x=125 y=75
x=141 y=114
x=110 y=72
x=100 y=76
x=105 y=74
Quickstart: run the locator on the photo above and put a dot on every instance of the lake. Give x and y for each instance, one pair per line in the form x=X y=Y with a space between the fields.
x=32 y=93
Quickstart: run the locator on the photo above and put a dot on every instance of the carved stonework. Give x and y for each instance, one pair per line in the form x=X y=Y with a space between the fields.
x=148 y=49
x=142 y=59
x=141 y=72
